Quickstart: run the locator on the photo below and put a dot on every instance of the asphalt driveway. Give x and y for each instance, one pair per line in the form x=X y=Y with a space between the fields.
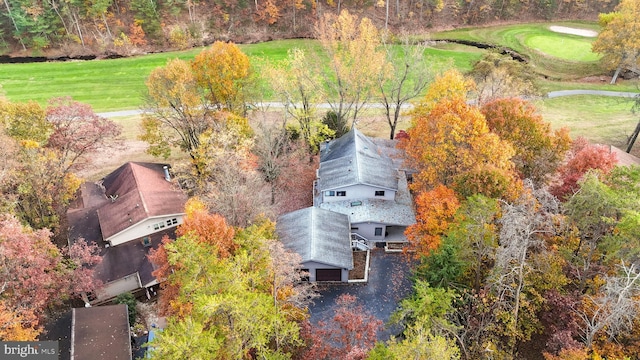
x=388 y=284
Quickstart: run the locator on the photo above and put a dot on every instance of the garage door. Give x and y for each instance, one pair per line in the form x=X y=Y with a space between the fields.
x=328 y=275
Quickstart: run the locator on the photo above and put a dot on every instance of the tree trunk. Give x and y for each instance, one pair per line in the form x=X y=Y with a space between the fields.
x=634 y=136
x=6 y=3
x=615 y=75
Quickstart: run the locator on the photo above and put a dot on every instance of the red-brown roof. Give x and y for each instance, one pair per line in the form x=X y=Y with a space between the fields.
x=138 y=191
x=101 y=332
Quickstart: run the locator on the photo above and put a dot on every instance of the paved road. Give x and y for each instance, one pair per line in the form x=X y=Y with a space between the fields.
x=551 y=95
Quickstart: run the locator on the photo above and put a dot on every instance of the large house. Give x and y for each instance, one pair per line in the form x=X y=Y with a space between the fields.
x=127 y=213
x=358 y=177
x=361 y=200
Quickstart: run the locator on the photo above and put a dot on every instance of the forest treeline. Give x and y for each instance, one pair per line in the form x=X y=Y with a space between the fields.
x=129 y=26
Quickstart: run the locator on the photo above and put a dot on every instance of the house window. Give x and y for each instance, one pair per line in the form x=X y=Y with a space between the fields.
x=156 y=226
x=378 y=232
x=174 y=221
x=379 y=192
x=354 y=229
x=169 y=222
x=356 y=203
x=330 y=193
x=341 y=193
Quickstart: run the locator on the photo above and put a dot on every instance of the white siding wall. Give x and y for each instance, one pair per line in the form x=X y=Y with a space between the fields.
x=143 y=228
x=368 y=230
x=359 y=192
x=313 y=266
x=110 y=290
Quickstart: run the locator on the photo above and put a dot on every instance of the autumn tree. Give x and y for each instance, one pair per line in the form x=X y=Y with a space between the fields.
x=450 y=144
x=355 y=60
x=617 y=41
x=406 y=76
x=77 y=132
x=300 y=90
x=525 y=225
x=614 y=309
x=36 y=276
x=434 y=212
x=222 y=72
x=500 y=76
x=538 y=150
x=582 y=158
x=351 y=332
x=175 y=115
x=186 y=99
x=51 y=145
x=219 y=300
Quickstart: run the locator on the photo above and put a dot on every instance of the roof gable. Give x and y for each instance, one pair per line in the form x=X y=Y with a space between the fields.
x=355 y=159
x=317 y=235
x=137 y=191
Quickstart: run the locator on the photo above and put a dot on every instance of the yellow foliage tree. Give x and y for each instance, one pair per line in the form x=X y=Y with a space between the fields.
x=618 y=40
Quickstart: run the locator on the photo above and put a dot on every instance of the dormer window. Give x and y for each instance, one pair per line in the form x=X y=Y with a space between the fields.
x=341 y=193
x=330 y=193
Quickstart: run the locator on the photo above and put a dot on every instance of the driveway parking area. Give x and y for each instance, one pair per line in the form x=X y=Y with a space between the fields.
x=388 y=284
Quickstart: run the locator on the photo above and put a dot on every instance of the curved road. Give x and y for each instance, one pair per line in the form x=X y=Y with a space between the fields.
x=550 y=95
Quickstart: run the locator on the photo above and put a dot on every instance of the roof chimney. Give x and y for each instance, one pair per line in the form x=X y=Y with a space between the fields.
x=166 y=173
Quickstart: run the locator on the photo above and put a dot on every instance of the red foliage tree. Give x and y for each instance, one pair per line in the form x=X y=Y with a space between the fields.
x=582 y=158
x=78 y=131
x=349 y=335
x=35 y=275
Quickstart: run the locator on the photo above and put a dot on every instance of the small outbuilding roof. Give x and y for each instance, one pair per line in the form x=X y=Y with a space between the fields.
x=137 y=191
x=100 y=332
x=317 y=235
x=355 y=159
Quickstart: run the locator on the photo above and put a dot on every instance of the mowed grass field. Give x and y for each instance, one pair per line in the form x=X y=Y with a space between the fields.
x=118 y=84
x=561 y=59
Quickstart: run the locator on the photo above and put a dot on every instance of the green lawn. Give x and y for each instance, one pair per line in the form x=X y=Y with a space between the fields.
x=554 y=55
x=606 y=120
x=119 y=83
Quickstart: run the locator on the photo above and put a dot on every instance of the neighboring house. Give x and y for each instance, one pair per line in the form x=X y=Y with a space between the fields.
x=127 y=213
x=101 y=332
x=322 y=239
x=357 y=177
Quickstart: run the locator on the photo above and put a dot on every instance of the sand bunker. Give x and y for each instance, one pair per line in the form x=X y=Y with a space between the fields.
x=573 y=31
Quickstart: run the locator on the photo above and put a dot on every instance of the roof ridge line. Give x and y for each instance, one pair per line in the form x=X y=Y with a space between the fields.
x=138 y=188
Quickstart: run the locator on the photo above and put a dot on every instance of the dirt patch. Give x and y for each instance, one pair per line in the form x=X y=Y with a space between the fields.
x=359 y=265
x=573 y=31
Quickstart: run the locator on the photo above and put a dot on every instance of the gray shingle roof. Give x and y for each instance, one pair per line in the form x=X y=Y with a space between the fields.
x=317 y=235
x=391 y=212
x=355 y=159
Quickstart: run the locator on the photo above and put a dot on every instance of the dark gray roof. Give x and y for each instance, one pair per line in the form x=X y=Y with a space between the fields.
x=317 y=235
x=355 y=159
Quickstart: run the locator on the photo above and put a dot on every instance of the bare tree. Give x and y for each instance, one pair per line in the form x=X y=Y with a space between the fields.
x=523 y=225
x=405 y=76
x=615 y=308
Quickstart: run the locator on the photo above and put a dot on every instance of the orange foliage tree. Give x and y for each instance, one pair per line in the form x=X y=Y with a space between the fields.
x=434 y=212
x=452 y=145
x=210 y=229
x=538 y=149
